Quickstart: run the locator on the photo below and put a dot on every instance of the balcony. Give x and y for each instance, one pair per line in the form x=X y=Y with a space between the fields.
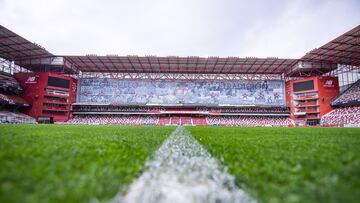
x=299 y=113
x=54 y=101
x=305 y=98
x=306 y=104
x=308 y=111
x=56 y=108
x=57 y=95
x=312 y=117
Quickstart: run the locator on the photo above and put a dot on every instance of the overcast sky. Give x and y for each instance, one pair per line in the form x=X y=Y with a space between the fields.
x=284 y=29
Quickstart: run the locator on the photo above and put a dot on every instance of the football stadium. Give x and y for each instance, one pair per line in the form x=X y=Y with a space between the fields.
x=110 y=128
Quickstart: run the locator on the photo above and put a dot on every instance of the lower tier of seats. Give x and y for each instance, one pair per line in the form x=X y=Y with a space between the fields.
x=342 y=117
x=13 y=117
x=182 y=120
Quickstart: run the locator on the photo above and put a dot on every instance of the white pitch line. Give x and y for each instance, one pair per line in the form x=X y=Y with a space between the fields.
x=182 y=171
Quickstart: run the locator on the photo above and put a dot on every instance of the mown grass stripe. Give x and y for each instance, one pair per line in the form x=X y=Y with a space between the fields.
x=183 y=171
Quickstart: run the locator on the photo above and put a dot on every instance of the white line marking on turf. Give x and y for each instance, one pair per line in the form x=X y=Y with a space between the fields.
x=183 y=171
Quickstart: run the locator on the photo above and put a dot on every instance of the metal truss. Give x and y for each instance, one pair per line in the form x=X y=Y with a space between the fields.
x=57 y=64
x=10 y=67
x=170 y=76
x=344 y=69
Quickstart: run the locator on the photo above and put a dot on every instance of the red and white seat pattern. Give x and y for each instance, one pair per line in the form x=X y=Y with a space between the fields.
x=244 y=109
x=9 y=99
x=344 y=116
x=114 y=108
x=350 y=95
x=249 y=121
x=15 y=117
x=115 y=119
x=8 y=83
x=182 y=120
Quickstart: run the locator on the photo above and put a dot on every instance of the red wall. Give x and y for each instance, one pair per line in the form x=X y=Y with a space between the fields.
x=35 y=84
x=327 y=88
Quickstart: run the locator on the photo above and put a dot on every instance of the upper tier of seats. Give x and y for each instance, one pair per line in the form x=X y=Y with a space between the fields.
x=342 y=116
x=10 y=99
x=110 y=108
x=8 y=83
x=350 y=96
x=188 y=92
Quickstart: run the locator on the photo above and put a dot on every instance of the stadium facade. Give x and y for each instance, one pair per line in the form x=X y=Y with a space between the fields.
x=320 y=88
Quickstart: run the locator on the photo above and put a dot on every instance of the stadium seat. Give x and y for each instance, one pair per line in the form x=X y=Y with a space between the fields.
x=351 y=95
x=343 y=116
x=249 y=120
x=9 y=117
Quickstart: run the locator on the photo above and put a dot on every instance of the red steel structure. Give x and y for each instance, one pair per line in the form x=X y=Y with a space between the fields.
x=308 y=105
x=49 y=103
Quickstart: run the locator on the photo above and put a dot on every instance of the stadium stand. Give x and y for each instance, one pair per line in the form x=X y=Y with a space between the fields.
x=256 y=110
x=114 y=108
x=199 y=121
x=349 y=96
x=342 y=117
x=10 y=102
x=114 y=119
x=182 y=120
x=249 y=121
x=266 y=93
x=8 y=117
x=175 y=115
x=176 y=102
x=8 y=83
x=261 y=110
x=347 y=112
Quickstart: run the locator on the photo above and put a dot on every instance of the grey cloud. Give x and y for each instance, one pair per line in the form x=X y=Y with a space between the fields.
x=180 y=27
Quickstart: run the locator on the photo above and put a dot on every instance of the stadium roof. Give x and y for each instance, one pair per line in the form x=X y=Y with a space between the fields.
x=175 y=64
x=345 y=49
x=14 y=47
x=342 y=50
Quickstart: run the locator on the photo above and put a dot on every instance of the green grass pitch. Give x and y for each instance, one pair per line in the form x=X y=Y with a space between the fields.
x=289 y=164
x=55 y=163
